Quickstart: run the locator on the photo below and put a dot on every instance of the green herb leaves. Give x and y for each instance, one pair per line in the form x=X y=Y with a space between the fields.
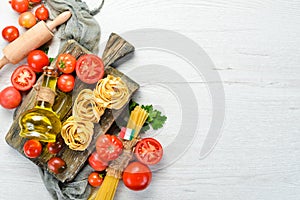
x=155 y=119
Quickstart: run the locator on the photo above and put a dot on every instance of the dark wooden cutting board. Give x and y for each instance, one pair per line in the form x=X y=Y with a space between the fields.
x=116 y=48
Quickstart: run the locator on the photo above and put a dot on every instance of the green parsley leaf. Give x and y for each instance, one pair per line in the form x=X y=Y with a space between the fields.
x=50 y=60
x=155 y=119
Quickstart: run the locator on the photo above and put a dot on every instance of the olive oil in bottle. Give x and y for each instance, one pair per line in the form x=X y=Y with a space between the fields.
x=41 y=122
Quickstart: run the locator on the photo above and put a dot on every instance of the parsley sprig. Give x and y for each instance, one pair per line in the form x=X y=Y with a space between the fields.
x=155 y=119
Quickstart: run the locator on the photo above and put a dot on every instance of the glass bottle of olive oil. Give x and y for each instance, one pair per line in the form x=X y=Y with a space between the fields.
x=41 y=122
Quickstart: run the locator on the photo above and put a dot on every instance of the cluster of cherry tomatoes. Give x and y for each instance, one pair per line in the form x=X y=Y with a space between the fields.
x=137 y=175
x=33 y=149
x=89 y=69
x=27 y=19
x=23 y=77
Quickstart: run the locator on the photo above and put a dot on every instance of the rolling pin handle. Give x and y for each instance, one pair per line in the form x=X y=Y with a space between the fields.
x=3 y=61
x=60 y=19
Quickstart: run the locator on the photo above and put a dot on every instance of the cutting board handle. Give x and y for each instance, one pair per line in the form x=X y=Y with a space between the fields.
x=60 y=19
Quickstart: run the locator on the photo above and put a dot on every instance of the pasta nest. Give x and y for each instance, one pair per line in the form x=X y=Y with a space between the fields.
x=77 y=134
x=111 y=92
x=86 y=108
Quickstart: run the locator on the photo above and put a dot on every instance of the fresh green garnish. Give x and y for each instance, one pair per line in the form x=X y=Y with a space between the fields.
x=44 y=48
x=50 y=60
x=155 y=119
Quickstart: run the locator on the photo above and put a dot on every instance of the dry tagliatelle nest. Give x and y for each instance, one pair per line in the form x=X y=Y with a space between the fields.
x=110 y=92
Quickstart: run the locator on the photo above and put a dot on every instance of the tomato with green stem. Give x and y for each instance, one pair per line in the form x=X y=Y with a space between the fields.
x=66 y=63
x=95 y=179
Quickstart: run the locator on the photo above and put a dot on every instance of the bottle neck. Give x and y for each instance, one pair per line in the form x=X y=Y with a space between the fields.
x=49 y=82
x=46 y=93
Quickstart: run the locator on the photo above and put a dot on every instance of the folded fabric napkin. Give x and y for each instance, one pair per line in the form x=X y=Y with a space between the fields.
x=83 y=28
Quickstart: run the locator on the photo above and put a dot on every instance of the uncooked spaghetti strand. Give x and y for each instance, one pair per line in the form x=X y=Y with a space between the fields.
x=137 y=119
x=108 y=188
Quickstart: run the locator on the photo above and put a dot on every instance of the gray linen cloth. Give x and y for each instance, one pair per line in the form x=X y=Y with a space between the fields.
x=83 y=28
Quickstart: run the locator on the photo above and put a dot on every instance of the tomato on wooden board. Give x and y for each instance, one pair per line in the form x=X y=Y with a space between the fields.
x=89 y=68
x=10 y=33
x=95 y=179
x=32 y=148
x=27 y=20
x=56 y=165
x=96 y=163
x=20 y=5
x=66 y=82
x=55 y=147
x=66 y=63
x=148 y=151
x=23 y=78
x=137 y=176
x=10 y=97
x=37 y=59
x=108 y=147
x=42 y=13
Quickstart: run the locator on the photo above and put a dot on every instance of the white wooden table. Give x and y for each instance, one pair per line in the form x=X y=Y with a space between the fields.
x=255 y=46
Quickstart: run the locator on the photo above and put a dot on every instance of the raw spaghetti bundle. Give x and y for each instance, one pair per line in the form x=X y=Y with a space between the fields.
x=114 y=172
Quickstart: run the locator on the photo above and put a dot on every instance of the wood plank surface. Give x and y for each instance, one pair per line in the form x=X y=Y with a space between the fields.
x=255 y=48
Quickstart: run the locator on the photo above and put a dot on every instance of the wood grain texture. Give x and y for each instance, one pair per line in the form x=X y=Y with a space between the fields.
x=75 y=160
x=255 y=48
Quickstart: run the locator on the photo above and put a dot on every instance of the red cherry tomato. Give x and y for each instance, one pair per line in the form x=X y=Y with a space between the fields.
x=137 y=176
x=96 y=163
x=37 y=59
x=10 y=33
x=27 y=20
x=55 y=147
x=23 y=78
x=148 y=151
x=42 y=13
x=20 y=5
x=89 y=68
x=108 y=147
x=10 y=98
x=56 y=165
x=32 y=148
x=66 y=63
x=95 y=179
x=66 y=82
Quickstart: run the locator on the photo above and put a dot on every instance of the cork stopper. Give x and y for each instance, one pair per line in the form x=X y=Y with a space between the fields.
x=50 y=71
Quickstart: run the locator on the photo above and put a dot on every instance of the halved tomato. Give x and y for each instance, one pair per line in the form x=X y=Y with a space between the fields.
x=23 y=78
x=89 y=68
x=148 y=151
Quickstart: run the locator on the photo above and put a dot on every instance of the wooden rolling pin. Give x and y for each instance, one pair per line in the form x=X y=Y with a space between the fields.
x=32 y=39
